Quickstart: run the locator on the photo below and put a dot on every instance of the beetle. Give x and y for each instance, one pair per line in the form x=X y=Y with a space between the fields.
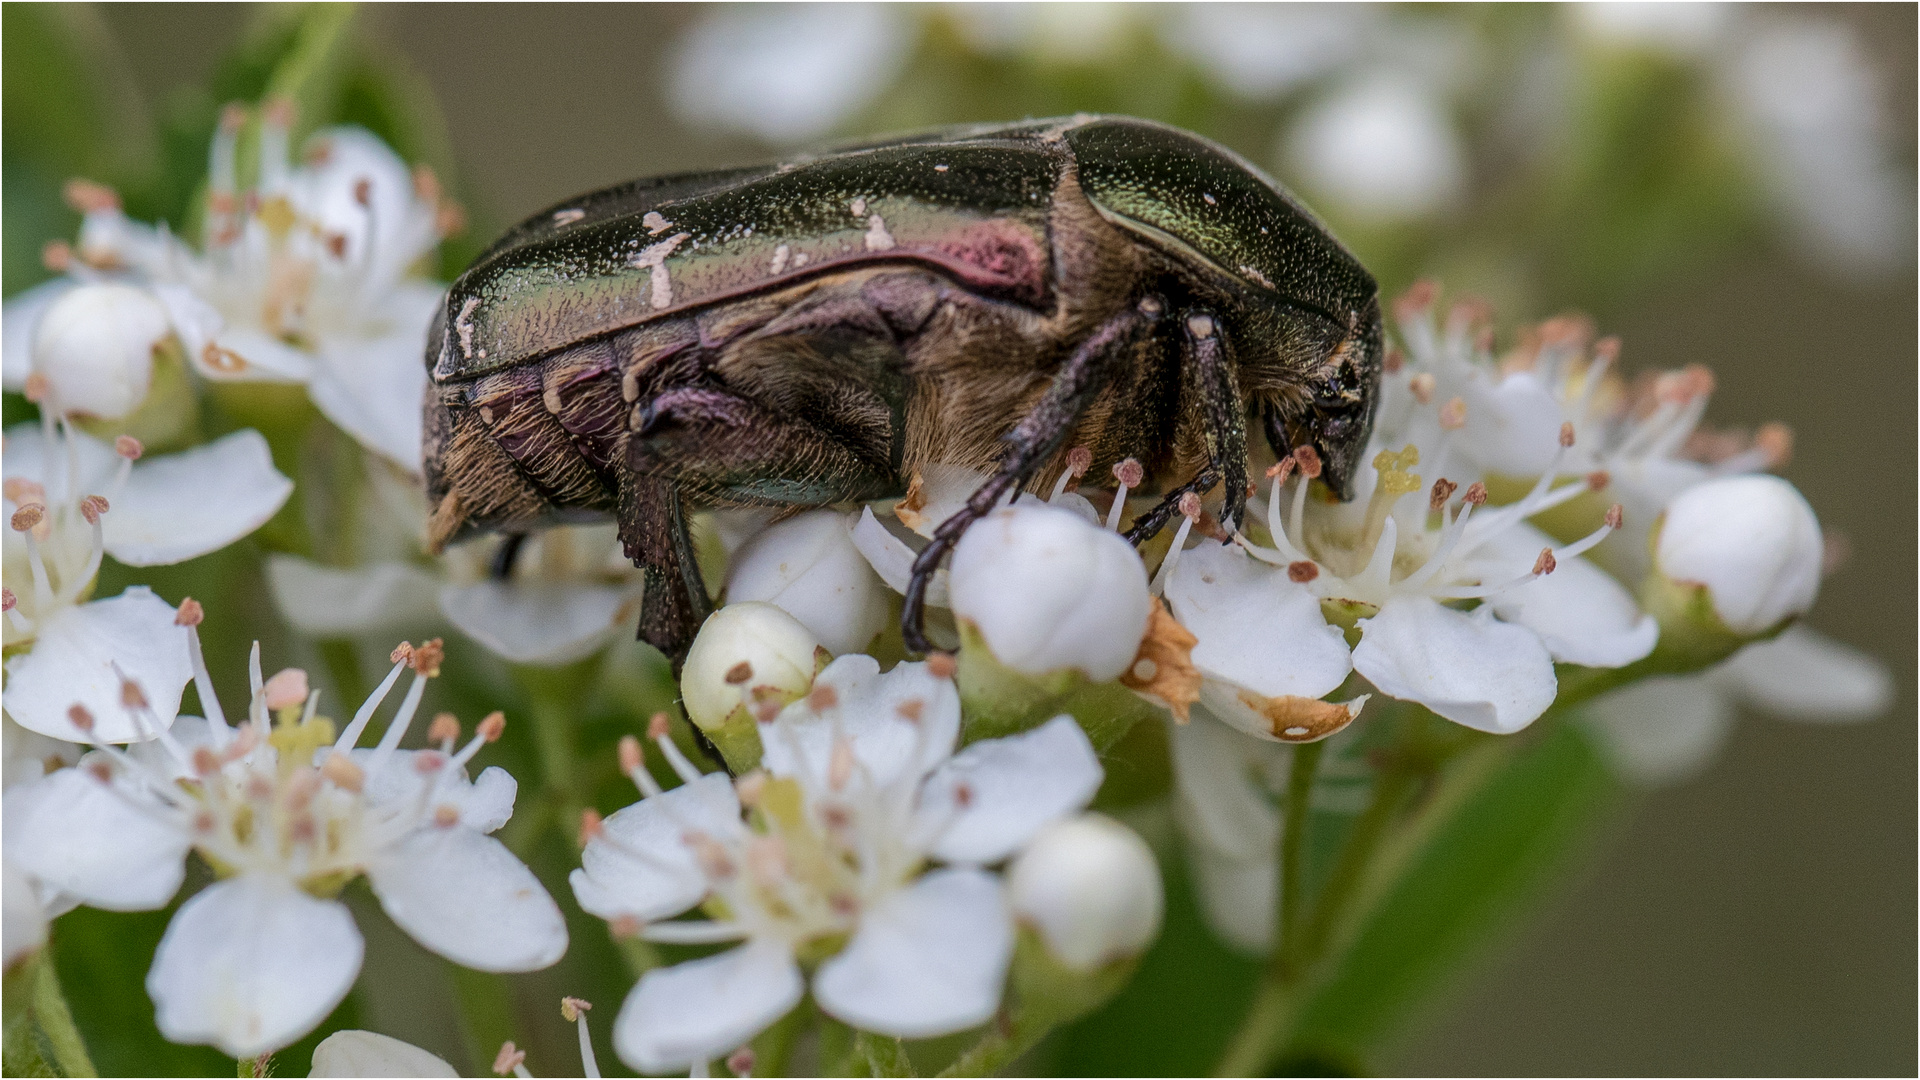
x=814 y=331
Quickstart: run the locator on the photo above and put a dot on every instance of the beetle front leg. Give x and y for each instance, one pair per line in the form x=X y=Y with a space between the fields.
x=1032 y=441
x=1226 y=431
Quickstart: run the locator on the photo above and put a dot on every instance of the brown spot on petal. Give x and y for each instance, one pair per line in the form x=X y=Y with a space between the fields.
x=908 y=509
x=1163 y=668
x=1300 y=719
x=1302 y=571
x=739 y=673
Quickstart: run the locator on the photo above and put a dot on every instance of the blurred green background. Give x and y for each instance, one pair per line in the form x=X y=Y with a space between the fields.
x=1758 y=919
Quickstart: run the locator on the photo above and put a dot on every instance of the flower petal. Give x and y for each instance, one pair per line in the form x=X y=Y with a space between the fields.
x=1237 y=896
x=371 y=387
x=1805 y=675
x=546 y=624
x=904 y=719
x=928 y=960
x=1218 y=800
x=369 y=1053
x=1261 y=635
x=640 y=867
x=250 y=964
x=691 y=1013
x=808 y=567
x=30 y=456
x=1469 y=668
x=23 y=919
x=892 y=559
x=1015 y=786
x=182 y=505
x=74 y=662
x=1662 y=729
x=465 y=896
x=321 y=601
x=17 y=320
x=1583 y=616
x=74 y=833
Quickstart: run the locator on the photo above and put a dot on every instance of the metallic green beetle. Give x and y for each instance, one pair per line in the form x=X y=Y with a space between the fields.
x=814 y=331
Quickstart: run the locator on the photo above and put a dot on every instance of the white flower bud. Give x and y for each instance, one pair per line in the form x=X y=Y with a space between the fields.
x=1049 y=591
x=1752 y=541
x=808 y=567
x=747 y=658
x=1091 y=888
x=367 y=1053
x=95 y=346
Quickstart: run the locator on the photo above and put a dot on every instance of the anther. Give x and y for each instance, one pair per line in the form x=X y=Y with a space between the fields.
x=1280 y=470
x=493 y=726
x=1616 y=516
x=80 y=717
x=402 y=653
x=131 y=696
x=92 y=507
x=942 y=665
x=1302 y=571
x=1129 y=472
x=910 y=710
x=363 y=191
x=739 y=673
x=623 y=927
x=429 y=762
x=21 y=491
x=1476 y=493
x=572 y=1007
x=822 y=698
x=630 y=757
x=1308 y=460
x=128 y=447
x=1443 y=490
x=1775 y=441
x=1598 y=480
x=444 y=729
x=1453 y=415
x=591 y=826
x=88 y=197
x=1394 y=362
x=446 y=816
x=1190 y=506
x=205 y=761
x=1545 y=563
x=1418 y=298
x=963 y=795
x=840 y=764
x=1151 y=307
x=347 y=776
x=750 y=787
x=100 y=769
x=277 y=113
x=287 y=687
x=1422 y=387
x=1079 y=460
x=7 y=599
x=1566 y=433
x=427 y=657
x=57 y=256
x=28 y=516
x=658 y=726
x=740 y=1062
x=190 y=613
x=508 y=1058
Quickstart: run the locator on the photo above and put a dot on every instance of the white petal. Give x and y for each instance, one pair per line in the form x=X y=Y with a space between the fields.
x=372 y=388
x=1220 y=804
x=369 y=1053
x=1805 y=675
x=1662 y=729
x=487 y=804
x=1091 y=886
x=113 y=849
x=465 y=896
x=261 y=356
x=927 y=960
x=1258 y=632
x=1237 y=897
x=73 y=662
x=867 y=710
x=547 y=624
x=1752 y=541
x=1582 y=615
x=17 y=321
x=691 y=1013
x=892 y=559
x=23 y=919
x=182 y=505
x=808 y=567
x=1471 y=669
x=1015 y=787
x=1514 y=423
x=322 y=601
x=250 y=964
x=642 y=867
x=31 y=457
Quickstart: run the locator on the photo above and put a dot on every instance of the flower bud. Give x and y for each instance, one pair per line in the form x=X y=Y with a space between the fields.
x=748 y=659
x=1050 y=592
x=1091 y=888
x=95 y=346
x=1751 y=542
x=808 y=567
x=367 y=1053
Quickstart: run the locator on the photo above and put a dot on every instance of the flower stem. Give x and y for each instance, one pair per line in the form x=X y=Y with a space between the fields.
x=554 y=695
x=55 y=1021
x=1306 y=769
x=1013 y=1033
x=885 y=1056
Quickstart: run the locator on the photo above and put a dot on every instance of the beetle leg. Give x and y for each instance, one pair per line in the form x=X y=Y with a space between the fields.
x=505 y=556
x=653 y=531
x=1029 y=445
x=721 y=448
x=1226 y=431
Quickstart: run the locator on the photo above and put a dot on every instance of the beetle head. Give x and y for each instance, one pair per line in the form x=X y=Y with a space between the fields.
x=1342 y=393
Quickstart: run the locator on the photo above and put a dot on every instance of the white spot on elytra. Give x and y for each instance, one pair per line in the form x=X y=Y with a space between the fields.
x=568 y=216
x=655 y=223
x=799 y=259
x=780 y=256
x=878 y=238
x=858 y=207
x=1255 y=275
x=463 y=325
x=1211 y=201
x=654 y=257
x=939 y=168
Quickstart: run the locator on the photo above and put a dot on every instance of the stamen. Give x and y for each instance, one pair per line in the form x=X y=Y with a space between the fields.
x=693 y=932
x=287 y=687
x=364 y=714
x=633 y=767
x=740 y=1062
x=658 y=730
x=1422 y=386
x=574 y=1010
x=444 y=730
x=942 y=665
x=592 y=826
x=1079 y=460
x=1129 y=473
x=23 y=521
x=1453 y=415
x=340 y=769
x=1189 y=513
x=509 y=1060
x=1443 y=490
x=1616 y=517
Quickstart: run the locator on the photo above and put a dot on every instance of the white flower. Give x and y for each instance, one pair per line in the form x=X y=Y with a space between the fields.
x=1390 y=567
x=369 y=1053
x=1260 y=51
x=862 y=788
x=748 y=658
x=287 y=814
x=1092 y=889
x=790 y=73
x=94 y=344
x=307 y=277
x=72 y=499
x=1381 y=147
x=1669 y=727
x=1751 y=541
x=23 y=917
x=808 y=567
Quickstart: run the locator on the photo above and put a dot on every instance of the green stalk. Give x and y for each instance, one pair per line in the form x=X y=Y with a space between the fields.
x=55 y=1020
x=1306 y=769
x=1013 y=1033
x=553 y=694
x=485 y=1008
x=884 y=1054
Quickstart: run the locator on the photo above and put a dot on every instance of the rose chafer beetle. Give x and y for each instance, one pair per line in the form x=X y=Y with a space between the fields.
x=815 y=331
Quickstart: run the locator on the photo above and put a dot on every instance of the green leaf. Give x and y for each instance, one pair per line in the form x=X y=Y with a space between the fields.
x=1469 y=882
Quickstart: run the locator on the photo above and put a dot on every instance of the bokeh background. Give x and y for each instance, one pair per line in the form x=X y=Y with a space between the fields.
x=1718 y=185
